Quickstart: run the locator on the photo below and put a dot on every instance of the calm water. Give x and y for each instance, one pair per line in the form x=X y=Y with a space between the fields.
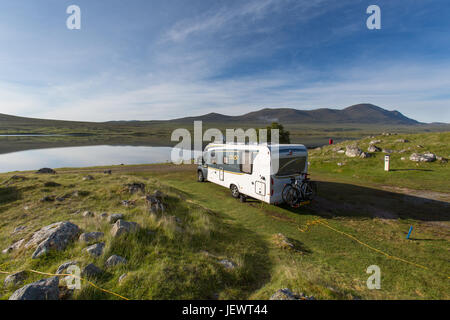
x=82 y=157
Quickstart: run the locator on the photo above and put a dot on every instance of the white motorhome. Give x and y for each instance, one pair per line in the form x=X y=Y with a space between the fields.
x=259 y=171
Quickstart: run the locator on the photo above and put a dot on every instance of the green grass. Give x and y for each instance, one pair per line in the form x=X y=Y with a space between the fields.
x=432 y=176
x=170 y=260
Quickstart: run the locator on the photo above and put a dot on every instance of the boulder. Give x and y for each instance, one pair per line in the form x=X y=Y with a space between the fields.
x=227 y=264
x=123 y=227
x=15 y=279
x=286 y=294
x=374 y=141
x=46 y=171
x=135 y=187
x=96 y=250
x=341 y=151
x=88 y=214
x=14 y=246
x=373 y=148
x=426 y=157
x=115 y=260
x=387 y=151
x=114 y=217
x=401 y=141
x=88 y=237
x=52 y=237
x=62 y=268
x=91 y=271
x=365 y=155
x=88 y=178
x=154 y=203
x=352 y=151
x=45 y=289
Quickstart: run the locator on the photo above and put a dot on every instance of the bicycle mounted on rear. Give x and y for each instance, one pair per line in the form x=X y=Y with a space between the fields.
x=299 y=191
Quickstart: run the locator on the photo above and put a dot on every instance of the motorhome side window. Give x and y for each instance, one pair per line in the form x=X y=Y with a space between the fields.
x=246 y=162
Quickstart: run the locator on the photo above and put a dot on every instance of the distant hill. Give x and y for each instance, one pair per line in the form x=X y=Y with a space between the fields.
x=356 y=114
x=353 y=115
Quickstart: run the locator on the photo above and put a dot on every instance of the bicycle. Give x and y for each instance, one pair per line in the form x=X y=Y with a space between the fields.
x=298 y=191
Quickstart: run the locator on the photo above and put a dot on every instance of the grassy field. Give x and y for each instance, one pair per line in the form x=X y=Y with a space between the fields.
x=178 y=258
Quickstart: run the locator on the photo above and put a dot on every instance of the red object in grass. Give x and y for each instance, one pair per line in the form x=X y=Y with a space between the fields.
x=330 y=141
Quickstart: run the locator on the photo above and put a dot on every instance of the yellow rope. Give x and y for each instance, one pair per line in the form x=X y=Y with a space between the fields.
x=71 y=275
x=325 y=224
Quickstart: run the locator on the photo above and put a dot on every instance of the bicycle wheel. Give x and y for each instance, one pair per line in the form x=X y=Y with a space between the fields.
x=309 y=190
x=290 y=195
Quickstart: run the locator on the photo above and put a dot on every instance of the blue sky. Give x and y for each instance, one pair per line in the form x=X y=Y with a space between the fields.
x=149 y=60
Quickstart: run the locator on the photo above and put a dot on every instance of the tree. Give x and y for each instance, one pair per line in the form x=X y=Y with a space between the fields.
x=284 y=135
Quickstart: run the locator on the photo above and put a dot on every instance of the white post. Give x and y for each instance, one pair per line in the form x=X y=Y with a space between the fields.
x=386 y=162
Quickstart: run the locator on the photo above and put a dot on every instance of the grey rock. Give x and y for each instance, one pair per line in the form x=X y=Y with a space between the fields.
x=115 y=260
x=114 y=217
x=96 y=250
x=88 y=214
x=374 y=141
x=135 y=187
x=15 y=246
x=365 y=155
x=373 y=148
x=353 y=151
x=286 y=294
x=88 y=178
x=91 y=271
x=401 y=141
x=154 y=204
x=52 y=237
x=62 y=268
x=46 y=171
x=15 y=279
x=426 y=157
x=88 y=237
x=45 y=289
x=227 y=264
x=387 y=151
x=341 y=151
x=123 y=227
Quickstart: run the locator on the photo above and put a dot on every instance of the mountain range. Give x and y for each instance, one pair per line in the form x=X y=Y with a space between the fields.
x=356 y=114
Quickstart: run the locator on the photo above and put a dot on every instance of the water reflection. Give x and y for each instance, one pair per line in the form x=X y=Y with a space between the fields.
x=83 y=157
